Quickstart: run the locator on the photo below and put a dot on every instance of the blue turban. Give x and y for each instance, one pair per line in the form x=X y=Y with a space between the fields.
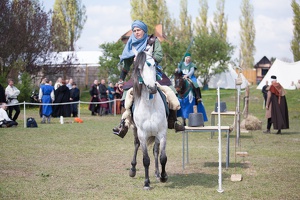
x=139 y=24
x=139 y=44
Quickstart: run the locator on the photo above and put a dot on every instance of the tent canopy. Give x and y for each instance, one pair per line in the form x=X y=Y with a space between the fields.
x=285 y=73
x=90 y=58
x=225 y=79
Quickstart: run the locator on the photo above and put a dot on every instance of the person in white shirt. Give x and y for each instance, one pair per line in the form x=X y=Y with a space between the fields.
x=5 y=121
x=298 y=85
x=12 y=93
x=58 y=83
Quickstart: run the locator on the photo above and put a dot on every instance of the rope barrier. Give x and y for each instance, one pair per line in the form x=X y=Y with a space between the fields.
x=81 y=102
x=65 y=103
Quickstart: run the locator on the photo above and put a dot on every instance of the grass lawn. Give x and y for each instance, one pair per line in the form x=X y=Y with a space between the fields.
x=86 y=161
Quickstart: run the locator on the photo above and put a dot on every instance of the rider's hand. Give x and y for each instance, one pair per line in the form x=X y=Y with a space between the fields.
x=185 y=76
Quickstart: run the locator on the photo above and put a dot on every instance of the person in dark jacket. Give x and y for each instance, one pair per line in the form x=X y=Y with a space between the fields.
x=74 y=96
x=103 y=92
x=111 y=97
x=2 y=94
x=94 y=92
x=276 y=107
x=62 y=95
x=265 y=92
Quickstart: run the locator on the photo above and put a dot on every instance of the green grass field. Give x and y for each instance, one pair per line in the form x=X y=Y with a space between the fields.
x=86 y=161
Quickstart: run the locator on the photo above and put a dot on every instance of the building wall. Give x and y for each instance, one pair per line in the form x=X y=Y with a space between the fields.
x=83 y=76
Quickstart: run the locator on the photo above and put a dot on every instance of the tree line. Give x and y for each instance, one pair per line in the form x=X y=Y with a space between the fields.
x=28 y=34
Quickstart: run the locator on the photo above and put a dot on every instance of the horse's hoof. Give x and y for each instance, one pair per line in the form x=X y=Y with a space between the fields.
x=163 y=179
x=132 y=173
x=157 y=178
x=147 y=188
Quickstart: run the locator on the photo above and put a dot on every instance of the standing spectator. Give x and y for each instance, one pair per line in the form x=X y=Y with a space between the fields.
x=118 y=95
x=111 y=96
x=70 y=84
x=94 y=92
x=298 y=85
x=276 y=107
x=103 y=93
x=58 y=83
x=74 y=96
x=62 y=95
x=265 y=91
x=292 y=86
x=12 y=93
x=2 y=94
x=46 y=96
x=5 y=121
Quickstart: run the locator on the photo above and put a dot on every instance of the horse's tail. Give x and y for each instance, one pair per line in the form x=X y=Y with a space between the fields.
x=150 y=140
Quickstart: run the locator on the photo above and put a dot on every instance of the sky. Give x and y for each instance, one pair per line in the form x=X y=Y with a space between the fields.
x=108 y=20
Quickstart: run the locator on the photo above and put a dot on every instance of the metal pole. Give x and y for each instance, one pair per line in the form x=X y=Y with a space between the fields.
x=238 y=116
x=24 y=115
x=79 y=109
x=220 y=190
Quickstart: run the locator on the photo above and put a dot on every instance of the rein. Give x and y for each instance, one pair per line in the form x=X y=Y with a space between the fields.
x=187 y=89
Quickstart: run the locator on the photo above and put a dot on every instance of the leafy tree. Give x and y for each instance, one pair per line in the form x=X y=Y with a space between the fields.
x=295 y=43
x=24 y=36
x=211 y=50
x=177 y=44
x=67 y=23
x=25 y=86
x=164 y=18
x=201 y=20
x=174 y=51
x=185 y=31
x=247 y=35
x=146 y=11
x=220 y=21
x=109 y=61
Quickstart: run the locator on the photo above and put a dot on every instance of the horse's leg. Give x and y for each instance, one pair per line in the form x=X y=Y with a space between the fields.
x=156 y=153
x=163 y=160
x=146 y=163
x=132 y=171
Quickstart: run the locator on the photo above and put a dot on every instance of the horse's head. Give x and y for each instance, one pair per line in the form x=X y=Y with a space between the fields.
x=180 y=85
x=144 y=73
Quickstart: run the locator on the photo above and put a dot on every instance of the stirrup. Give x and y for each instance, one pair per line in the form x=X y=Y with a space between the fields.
x=122 y=130
x=178 y=127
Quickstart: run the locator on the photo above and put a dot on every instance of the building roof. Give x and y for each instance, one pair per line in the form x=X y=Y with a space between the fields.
x=263 y=63
x=90 y=58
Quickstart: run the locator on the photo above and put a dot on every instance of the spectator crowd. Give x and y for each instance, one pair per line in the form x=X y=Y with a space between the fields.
x=63 y=92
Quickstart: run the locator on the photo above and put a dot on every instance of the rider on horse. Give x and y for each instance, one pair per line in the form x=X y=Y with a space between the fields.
x=187 y=68
x=140 y=40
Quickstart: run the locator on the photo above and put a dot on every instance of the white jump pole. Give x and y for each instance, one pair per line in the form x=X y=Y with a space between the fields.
x=24 y=106
x=220 y=190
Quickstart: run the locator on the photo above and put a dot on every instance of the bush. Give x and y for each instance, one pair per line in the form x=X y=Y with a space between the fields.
x=25 y=86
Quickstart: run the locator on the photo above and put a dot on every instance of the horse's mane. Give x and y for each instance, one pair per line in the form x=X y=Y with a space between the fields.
x=138 y=66
x=178 y=74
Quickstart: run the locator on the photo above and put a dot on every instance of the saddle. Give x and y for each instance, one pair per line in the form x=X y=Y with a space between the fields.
x=163 y=96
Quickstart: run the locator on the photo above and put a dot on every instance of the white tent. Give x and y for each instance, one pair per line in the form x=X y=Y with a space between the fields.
x=78 y=58
x=225 y=79
x=285 y=73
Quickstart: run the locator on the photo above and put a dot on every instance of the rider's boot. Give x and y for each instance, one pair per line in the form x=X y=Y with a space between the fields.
x=123 y=127
x=173 y=123
x=121 y=130
x=198 y=94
